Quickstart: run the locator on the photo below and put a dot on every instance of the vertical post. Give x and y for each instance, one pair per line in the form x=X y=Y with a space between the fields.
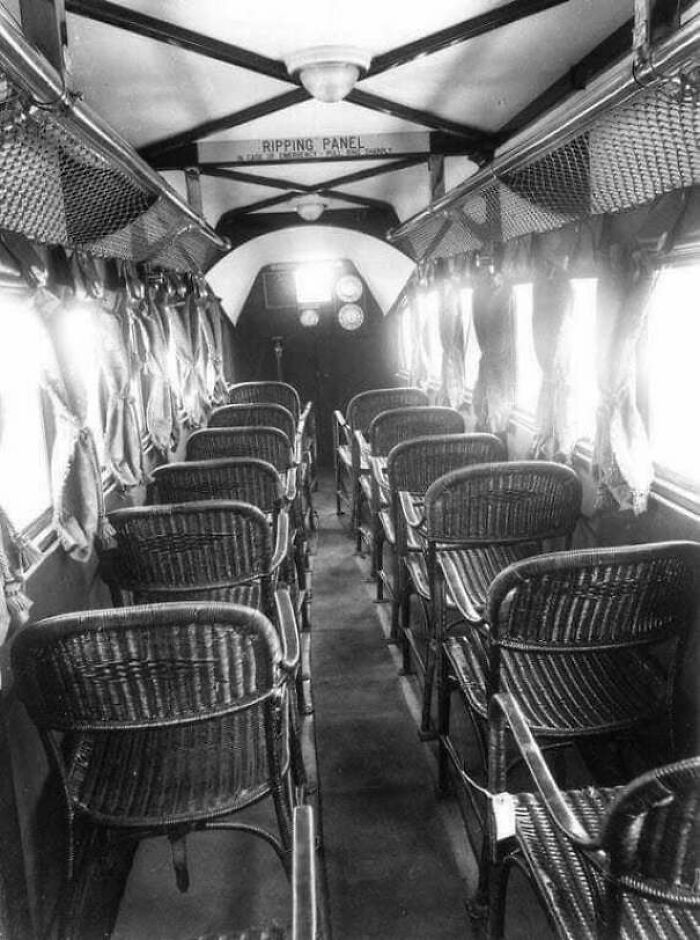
x=278 y=349
x=436 y=169
x=653 y=20
x=194 y=189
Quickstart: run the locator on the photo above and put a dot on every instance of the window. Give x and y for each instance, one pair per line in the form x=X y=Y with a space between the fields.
x=406 y=339
x=472 y=350
x=674 y=376
x=25 y=489
x=584 y=379
x=429 y=304
x=528 y=375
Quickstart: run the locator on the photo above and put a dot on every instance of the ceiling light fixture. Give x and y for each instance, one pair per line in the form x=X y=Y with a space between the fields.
x=329 y=73
x=311 y=207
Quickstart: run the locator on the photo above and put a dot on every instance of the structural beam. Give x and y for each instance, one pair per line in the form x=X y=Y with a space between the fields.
x=152 y=28
x=461 y=32
x=478 y=140
x=261 y=204
x=153 y=152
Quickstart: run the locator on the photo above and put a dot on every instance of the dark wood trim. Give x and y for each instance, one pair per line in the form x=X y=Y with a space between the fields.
x=355 y=200
x=152 y=152
x=254 y=179
x=149 y=26
x=614 y=47
x=262 y=204
x=478 y=139
x=461 y=32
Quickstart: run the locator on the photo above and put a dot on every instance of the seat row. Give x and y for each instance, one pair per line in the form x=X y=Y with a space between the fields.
x=183 y=704
x=544 y=646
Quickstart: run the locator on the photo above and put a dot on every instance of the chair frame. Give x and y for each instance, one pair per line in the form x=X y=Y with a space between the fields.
x=126 y=645
x=609 y=858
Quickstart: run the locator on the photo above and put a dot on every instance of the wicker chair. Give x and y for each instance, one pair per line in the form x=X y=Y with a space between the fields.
x=385 y=430
x=350 y=463
x=161 y=719
x=281 y=393
x=268 y=444
x=588 y=642
x=256 y=415
x=304 y=889
x=478 y=520
x=410 y=469
x=606 y=863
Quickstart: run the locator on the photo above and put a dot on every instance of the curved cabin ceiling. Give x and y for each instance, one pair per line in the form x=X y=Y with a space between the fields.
x=186 y=82
x=384 y=269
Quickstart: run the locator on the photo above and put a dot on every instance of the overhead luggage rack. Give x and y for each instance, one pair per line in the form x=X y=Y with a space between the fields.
x=67 y=178
x=632 y=136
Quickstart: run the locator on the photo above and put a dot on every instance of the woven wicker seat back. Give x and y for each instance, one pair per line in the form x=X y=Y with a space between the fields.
x=278 y=393
x=413 y=465
x=149 y=665
x=518 y=501
x=596 y=598
x=365 y=406
x=269 y=444
x=402 y=424
x=238 y=478
x=253 y=416
x=652 y=834
x=197 y=548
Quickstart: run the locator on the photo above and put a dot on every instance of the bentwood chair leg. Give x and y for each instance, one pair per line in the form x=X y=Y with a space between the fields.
x=426 y=729
x=444 y=699
x=378 y=550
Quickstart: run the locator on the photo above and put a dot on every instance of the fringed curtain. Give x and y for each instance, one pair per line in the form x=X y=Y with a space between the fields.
x=552 y=321
x=122 y=436
x=622 y=462
x=212 y=328
x=453 y=346
x=492 y=313
x=179 y=314
x=160 y=400
x=16 y=556
x=76 y=478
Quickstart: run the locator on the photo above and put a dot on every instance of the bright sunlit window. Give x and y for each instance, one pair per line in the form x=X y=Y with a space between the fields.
x=429 y=304
x=406 y=339
x=528 y=373
x=472 y=350
x=674 y=376
x=583 y=357
x=314 y=282
x=25 y=490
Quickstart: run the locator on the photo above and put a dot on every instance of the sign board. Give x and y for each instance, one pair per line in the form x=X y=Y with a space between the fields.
x=297 y=149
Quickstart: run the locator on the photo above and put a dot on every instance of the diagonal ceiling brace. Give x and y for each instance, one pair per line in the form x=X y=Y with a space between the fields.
x=152 y=152
x=149 y=26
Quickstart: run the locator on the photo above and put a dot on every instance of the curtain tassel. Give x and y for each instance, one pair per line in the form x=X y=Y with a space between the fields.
x=106 y=533
x=18 y=604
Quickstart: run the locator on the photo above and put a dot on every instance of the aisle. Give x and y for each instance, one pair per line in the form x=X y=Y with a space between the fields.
x=395 y=856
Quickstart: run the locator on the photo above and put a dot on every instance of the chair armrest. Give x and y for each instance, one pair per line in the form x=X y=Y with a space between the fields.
x=377 y=466
x=505 y=707
x=288 y=630
x=290 y=485
x=304 y=900
x=281 y=541
x=412 y=517
x=363 y=451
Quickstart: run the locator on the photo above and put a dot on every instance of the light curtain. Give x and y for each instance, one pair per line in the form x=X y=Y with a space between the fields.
x=492 y=314
x=622 y=462
x=453 y=344
x=160 y=402
x=76 y=478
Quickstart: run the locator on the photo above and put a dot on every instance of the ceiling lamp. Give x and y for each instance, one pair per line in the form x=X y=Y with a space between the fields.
x=309 y=318
x=310 y=207
x=329 y=73
x=351 y=317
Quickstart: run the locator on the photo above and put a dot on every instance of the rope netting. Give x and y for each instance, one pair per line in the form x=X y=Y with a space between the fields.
x=627 y=157
x=55 y=189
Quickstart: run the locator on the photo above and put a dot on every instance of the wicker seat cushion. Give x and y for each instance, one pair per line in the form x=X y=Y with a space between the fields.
x=179 y=773
x=564 y=877
x=249 y=595
x=469 y=572
x=563 y=692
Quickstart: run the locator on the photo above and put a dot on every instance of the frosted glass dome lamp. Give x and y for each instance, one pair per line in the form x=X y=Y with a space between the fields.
x=310 y=208
x=329 y=73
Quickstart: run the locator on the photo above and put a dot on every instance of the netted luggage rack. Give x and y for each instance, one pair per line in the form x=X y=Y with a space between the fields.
x=67 y=179
x=645 y=146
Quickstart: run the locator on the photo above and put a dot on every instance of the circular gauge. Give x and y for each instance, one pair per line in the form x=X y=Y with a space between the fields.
x=351 y=317
x=308 y=317
x=348 y=288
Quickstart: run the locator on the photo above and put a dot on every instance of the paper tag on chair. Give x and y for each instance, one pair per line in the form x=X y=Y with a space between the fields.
x=503 y=807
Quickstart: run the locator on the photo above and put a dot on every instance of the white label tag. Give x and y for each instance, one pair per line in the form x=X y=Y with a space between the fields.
x=503 y=806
